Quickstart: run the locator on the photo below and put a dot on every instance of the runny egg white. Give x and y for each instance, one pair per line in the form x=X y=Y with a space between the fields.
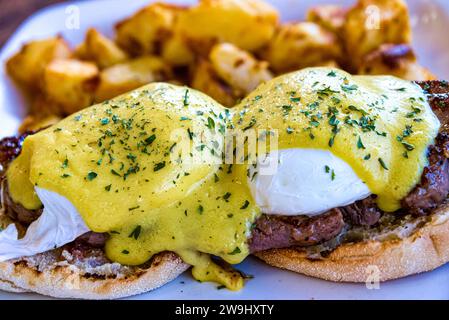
x=304 y=182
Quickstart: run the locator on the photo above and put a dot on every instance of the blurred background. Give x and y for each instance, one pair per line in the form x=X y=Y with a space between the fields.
x=13 y=12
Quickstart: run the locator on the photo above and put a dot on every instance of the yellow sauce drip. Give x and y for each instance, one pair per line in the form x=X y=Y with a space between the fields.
x=118 y=162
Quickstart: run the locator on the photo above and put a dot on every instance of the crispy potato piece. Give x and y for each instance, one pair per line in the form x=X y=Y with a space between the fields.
x=300 y=45
x=27 y=66
x=70 y=83
x=207 y=81
x=144 y=31
x=130 y=75
x=238 y=68
x=99 y=49
x=397 y=60
x=176 y=52
x=35 y=123
x=330 y=17
x=42 y=107
x=249 y=24
x=371 y=23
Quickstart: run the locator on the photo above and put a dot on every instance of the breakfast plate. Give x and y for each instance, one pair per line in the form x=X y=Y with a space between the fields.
x=429 y=18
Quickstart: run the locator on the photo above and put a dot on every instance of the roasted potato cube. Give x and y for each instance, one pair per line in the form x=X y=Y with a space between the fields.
x=130 y=75
x=27 y=66
x=143 y=32
x=371 y=23
x=70 y=83
x=249 y=24
x=238 y=68
x=300 y=45
x=397 y=60
x=101 y=50
x=176 y=52
x=42 y=107
x=330 y=17
x=207 y=81
x=35 y=123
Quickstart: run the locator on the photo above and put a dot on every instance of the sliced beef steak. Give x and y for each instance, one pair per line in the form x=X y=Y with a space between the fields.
x=283 y=231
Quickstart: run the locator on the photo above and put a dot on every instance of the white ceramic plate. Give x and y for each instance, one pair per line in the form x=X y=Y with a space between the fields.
x=430 y=20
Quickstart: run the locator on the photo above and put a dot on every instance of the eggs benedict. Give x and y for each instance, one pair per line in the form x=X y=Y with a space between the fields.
x=302 y=165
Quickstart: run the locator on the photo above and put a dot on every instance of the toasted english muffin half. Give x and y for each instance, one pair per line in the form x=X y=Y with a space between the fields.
x=63 y=274
x=412 y=246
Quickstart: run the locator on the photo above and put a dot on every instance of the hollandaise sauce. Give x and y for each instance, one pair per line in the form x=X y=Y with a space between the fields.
x=147 y=167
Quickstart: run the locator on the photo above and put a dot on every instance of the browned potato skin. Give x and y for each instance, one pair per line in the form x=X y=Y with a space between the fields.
x=238 y=68
x=299 y=45
x=249 y=24
x=330 y=17
x=27 y=66
x=130 y=75
x=70 y=83
x=34 y=123
x=397 y=60
x=101 y=50
x=205 y=79
x=176 y=51
x=363 y=34
x=144 y=32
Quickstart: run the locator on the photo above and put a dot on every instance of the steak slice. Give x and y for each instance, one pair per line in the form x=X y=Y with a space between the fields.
x=272 y=232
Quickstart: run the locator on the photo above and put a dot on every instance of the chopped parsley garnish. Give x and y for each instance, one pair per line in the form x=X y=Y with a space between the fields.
x=108 y=188
x=408 y=146
x=245 y=205
x=104 y=121
x=349 y=88
x=332 y=74
x=226 y=196
x=159 y=166
x=210 y=123
x=186 y=98
x=125 y=251
x=200 y=209
x=135 y=233
x=235 y=251
x=382 y=163
x=360 y=143
x=115 y=173
x=150 y=139
x=65 y=164
x=216 y=178
x=250 y=124
x=65 y=175
x=295 y=99
x=91 y=175
x=367 y=157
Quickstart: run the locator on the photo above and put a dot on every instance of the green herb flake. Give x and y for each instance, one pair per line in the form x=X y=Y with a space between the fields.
x=150 y=139
x=200 y=209
x=159 y=166
x=235 y=251
x=91 y=175
x=245 y=205
x=360 y=144
x=186 y=98
x=135 y=233
x=382 y=163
